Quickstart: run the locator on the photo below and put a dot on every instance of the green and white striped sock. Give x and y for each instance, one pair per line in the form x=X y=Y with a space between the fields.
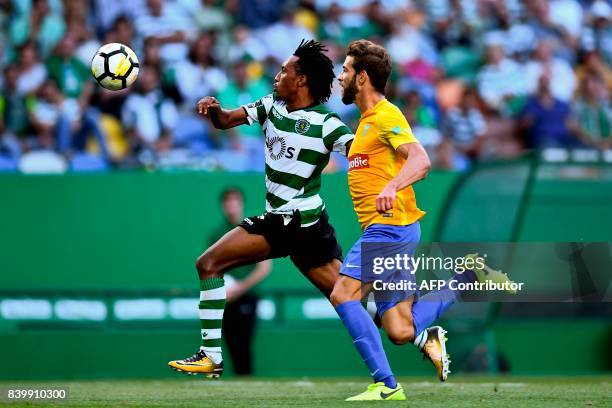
x=212 y=305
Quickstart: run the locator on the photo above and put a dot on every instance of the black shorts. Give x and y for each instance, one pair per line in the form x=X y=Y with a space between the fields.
x=308 y=247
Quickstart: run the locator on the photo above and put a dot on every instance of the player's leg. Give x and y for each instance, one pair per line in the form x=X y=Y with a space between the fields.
x=317 y=255
x=346 y=298
x=431 y=306
x=324 y=277
x=407 y=321
x=397 y=321
x=237 y=247
x=428 y=308
x=394 y=306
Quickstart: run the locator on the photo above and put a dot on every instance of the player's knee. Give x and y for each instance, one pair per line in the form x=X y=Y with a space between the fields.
x=206 y=266
x=339 y=295
x=401 y=335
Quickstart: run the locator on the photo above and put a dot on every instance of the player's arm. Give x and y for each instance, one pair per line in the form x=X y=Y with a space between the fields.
x=394 y=130
x=221 y=118
x=415 y=168
x=348 y=147
x=337 y=137
x=260 y=272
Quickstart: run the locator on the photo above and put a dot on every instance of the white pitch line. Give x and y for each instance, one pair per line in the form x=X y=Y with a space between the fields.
x=303 y=384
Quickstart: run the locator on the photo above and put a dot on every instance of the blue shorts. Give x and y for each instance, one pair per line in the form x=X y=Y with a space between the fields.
x=382 y=240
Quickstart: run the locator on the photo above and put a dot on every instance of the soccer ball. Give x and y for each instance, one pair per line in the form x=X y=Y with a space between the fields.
x=115 y=66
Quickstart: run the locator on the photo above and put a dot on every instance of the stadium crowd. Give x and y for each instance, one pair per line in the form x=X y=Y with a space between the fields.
x=477 y=79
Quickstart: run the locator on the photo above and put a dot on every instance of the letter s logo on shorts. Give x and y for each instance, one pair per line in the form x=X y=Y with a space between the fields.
x=359 y=161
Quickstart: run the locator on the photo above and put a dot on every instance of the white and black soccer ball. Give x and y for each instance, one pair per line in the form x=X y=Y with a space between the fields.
x=115 y=66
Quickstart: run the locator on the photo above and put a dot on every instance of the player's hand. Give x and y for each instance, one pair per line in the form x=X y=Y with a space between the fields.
x=207 y=103
x=386 y=199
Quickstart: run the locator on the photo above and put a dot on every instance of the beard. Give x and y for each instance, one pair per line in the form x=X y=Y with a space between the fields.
x=350 y=92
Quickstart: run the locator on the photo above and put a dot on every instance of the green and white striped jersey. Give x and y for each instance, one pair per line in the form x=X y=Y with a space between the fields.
x=298 y=146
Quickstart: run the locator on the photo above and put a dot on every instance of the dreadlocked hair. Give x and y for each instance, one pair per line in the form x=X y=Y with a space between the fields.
x=317 y=67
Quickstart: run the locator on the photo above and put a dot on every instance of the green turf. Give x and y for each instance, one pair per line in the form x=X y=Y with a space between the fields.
x=462 y=391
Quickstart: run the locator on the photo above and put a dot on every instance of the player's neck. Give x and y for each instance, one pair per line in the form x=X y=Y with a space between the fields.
x=300 y=102
x=366 y=100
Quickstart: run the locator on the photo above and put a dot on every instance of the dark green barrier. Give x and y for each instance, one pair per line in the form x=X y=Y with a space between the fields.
x=143 y=230
x=529 y=201
x=111 y=236
x=568 y=203
x=140 y=233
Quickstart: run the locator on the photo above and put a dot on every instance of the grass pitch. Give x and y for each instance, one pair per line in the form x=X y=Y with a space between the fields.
x=459 y=391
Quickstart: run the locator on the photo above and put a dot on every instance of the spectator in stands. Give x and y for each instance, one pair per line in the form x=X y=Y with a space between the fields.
x=13 y=115
x=31 y=72
x=567 y=16
x=540 y=19
x=465 y=128
x=592 y=64
x=149 y=117
x=240 y=314
x=168 y=25
x=359 y=19
x=286 y=34
x=244 y=45
x=9 y=146
x=562 y=77
x=75 y=118
x=500 y=79
x=331 y=28
x=110 y=102
x=76 y=14
x=61 y=124
x=434 y=44
x=210 y=16
x=417 y=113
x=71 y=76
x=122 y=31
x=240 y=91
x=150 y=54
x=14 y=104
x=454 y=21
x=108 y=12
x=546 y=120
x=199 y=74
x=40 y=24
x=424 y=124
x=45 y=117
x=593 y=113
x=408 y=41
x=597 y=36
x=258 y=14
